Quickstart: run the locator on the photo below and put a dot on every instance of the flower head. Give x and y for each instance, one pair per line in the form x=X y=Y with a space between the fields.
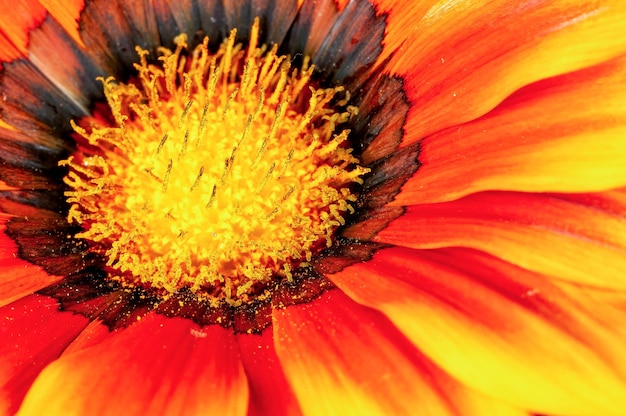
x=311 y=207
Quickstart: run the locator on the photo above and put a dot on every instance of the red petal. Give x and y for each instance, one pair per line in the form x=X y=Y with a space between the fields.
x=157 y=366
x=270 y=393
x=343 y=358
x=499 y=329
x=566 y=134
x=559 y=238
x=34 y=333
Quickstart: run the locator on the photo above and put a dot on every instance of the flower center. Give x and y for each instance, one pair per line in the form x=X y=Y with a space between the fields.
x=221 y=173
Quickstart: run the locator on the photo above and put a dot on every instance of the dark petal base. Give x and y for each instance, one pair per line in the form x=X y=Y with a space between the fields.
x=46 y=241
x=91 y=294
x=342 y=45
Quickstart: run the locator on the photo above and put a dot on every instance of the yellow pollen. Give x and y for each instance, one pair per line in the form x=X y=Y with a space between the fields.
x=222 y=173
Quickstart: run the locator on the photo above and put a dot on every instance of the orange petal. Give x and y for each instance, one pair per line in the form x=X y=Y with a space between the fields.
x=495 y=327
x=34 y=333
x=4 y=125
x=402 y=18
x=16 y=20
x=8 y=52
x=565 y=134
x=67 y=13
x=270 y=393
x=342 y=358
x=5 y=186
x=21 y=279
x=157 y=366
x=464 y=57
x=563 y=239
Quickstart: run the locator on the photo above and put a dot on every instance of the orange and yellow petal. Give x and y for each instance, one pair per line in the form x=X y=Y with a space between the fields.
x=562 y=239
x=501 y=330
x=565 y=134
x=158 y=366
x=342 y=357
x=461 y=59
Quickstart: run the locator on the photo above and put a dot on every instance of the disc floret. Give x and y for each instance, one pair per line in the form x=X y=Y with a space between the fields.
x=221 y=174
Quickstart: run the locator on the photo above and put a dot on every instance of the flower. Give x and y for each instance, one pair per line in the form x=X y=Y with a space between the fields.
x=481 y=272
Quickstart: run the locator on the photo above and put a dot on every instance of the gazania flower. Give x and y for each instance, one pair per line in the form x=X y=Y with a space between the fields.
x=311 y=207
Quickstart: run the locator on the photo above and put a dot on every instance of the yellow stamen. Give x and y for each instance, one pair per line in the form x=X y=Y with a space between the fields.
x=222 y=173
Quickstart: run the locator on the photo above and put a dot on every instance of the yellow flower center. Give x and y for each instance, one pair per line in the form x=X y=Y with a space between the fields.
x=222 y=173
